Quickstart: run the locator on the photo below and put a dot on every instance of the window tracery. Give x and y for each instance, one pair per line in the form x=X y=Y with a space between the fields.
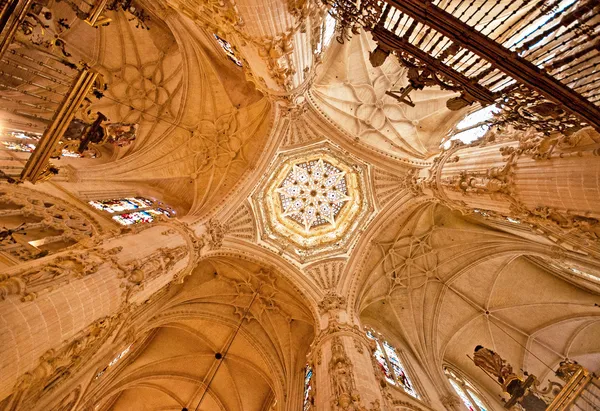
x=308 y=389
x=388 y=359
x=228 y=49
x=465 y=390
x=134 y=210
x=313 y=193
x=327 y=32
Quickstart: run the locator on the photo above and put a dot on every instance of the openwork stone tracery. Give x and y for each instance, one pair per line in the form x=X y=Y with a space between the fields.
x=313 y=201
x=313 y=193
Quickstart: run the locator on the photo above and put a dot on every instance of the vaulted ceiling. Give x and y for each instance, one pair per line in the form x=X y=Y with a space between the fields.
x=352 y=93
x=445 y=285
x=251 y=315
x=201 y=125
x=438 y=283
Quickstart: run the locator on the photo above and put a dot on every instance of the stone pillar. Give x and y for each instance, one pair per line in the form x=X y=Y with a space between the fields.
x=341 y=355
x=47 y=303
x=525 y=176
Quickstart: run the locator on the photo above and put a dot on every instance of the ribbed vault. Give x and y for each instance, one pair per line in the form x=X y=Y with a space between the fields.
x=352 y=94
x=175 y=366
x=200 y=123
x=445 y=286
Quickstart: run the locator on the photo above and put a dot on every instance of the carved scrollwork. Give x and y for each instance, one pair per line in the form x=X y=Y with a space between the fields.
x=351 y=16
x=523 y=108
x=51 y=220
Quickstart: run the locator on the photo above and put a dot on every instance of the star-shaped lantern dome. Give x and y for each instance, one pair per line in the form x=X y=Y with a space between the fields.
x=313 y=193
x=313 y=201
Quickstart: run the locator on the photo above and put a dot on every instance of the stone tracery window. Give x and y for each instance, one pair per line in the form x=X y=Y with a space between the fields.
x=308 y=382
x=465 y=390
x=387 y=357
x=313 y=193
x=134 y=210
x=228 y=49
x=327 y=32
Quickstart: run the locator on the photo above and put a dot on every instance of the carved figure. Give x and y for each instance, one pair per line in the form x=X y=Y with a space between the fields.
x=567 y=369
x=492 y=363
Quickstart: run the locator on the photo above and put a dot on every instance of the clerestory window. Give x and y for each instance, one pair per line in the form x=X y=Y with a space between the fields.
x=134 y=210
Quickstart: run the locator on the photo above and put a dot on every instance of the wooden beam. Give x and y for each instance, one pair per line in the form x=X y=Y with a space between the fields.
x=388 y=41
x=11 y=17
x=425 y=12
x=39 y=159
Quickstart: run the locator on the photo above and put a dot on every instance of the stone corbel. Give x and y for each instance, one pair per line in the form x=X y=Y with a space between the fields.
x=332 y=302
x=215 y=233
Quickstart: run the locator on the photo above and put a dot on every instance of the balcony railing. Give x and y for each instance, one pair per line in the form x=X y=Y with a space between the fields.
x=40 y=93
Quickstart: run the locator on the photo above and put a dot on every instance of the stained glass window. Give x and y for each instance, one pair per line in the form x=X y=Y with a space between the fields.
x=114 y=361
x=465 y=391
x=18 y=146
x=122 y=204
x=308 y=379
x=394 y=371
x=228 y=49
x=133 y=210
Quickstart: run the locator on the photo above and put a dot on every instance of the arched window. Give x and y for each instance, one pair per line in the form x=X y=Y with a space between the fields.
x=134 y=210
x=308 y=394
x=391 y=366
x=327 y=32
x=465 y=390
x=228 y=49
x=473 y=126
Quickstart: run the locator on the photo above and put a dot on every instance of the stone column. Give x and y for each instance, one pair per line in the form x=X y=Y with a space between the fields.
x=50 y=303
x=341 y=355
x=524 y=177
